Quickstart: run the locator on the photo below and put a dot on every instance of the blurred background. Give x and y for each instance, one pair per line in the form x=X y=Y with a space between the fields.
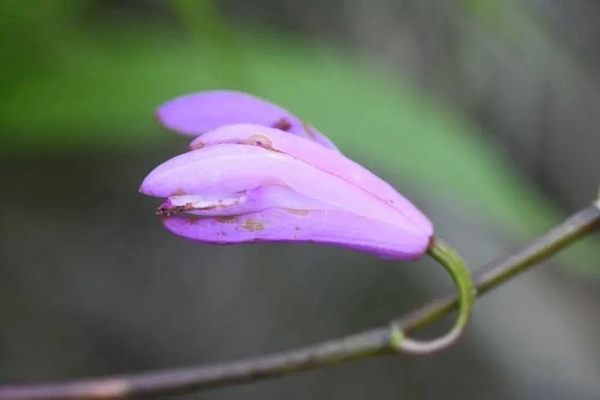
x=484 y=113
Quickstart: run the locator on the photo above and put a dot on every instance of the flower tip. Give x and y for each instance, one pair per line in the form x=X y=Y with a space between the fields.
x=158 y=116
x=145 y=187
x=150 y=186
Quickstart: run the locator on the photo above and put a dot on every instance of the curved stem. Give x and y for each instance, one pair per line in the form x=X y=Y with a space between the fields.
x=377 y=341
x=451 y=260
x=501 y=270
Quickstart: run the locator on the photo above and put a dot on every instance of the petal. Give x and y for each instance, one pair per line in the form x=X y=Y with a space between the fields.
x=319 y=157
x=197 y=113
x=250 y=201
x=235 y=168
x=338 y=228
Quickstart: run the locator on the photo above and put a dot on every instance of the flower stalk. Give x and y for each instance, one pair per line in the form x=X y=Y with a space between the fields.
x=453 y=263
x=377 y=341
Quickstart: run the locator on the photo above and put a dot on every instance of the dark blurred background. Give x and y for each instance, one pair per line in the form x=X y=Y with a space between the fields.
x=484 y=113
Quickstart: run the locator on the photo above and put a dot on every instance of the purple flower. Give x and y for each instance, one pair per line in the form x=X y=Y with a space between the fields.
x=249 y=179
x=256 y=173
x=197 y=113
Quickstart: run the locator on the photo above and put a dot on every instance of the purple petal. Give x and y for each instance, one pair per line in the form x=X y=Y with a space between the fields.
x=338 y=228
x=229 y=169
x=197 y=113
x=319 y=157
x=249 y=201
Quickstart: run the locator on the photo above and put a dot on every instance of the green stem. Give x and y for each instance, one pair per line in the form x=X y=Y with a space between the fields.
x=377 y=341
x=451 y=260
x=497 y=272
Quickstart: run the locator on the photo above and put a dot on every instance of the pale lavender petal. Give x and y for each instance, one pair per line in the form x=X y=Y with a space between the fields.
x=338 y=228
x=319 y=157
x=197 y=113
x=233 y=168
x=249 y=201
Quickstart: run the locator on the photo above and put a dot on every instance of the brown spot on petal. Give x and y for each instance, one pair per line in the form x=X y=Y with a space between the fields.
x=253 y=225
x=297 y=212
x=170 y=211
x=197 y=145
x=284 y=124
x=217 y=205
x=228 y=219
x=309 y=131
x=178 y=192
x=258 y=140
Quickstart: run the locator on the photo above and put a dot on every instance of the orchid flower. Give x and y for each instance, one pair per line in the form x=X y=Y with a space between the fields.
x=257 y=173
x=199 y=113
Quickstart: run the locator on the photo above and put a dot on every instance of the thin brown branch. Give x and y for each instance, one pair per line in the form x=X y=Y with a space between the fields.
x=369 y=343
